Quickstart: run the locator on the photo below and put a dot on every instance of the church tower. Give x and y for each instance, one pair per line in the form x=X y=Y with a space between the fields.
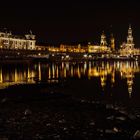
x=103 y=40
x=130 y=42
x=112 y=42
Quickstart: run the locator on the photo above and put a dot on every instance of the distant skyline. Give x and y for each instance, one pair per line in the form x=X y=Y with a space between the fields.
x=69 y=22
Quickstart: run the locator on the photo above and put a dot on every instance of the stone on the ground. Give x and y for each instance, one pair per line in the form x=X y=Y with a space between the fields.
x=136 y=135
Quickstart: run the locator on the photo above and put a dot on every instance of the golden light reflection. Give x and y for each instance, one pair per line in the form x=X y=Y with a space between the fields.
x=49 y=75
x=65 y=72
x=126 y=70
x=72 y=71
x=30 y=76
x=103 y=81
x=39 y=71
x=1 y=77
x=78 y=72
x=90 y=70
x=15 y=75
x=113 y=77
x=57 y=72
x=53 y=71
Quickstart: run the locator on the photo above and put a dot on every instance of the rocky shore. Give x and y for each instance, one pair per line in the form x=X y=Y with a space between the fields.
x=35 y=112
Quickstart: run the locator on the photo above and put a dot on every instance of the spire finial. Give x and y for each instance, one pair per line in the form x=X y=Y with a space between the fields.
x=31 y=32
x=129 y=26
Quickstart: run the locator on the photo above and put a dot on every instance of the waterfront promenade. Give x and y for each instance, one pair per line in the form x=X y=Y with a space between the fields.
x=29 y=55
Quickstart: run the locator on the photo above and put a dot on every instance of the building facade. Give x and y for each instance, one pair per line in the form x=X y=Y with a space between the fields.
x=127 y=48
x=102 y=48
x=130 y=43
x=103 y=41
x=10 y=41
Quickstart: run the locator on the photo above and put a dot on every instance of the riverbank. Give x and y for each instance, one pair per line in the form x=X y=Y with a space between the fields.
x=45 y=112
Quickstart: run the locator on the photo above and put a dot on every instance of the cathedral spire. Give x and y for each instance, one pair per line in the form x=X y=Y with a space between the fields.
x=103 y=40
x=129 y=26
x=112 y=42
x=130 y=43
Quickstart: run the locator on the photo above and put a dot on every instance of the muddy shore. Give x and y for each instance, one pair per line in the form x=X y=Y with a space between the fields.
x=37 y=112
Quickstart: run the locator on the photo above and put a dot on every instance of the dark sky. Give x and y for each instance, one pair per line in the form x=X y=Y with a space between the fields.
x=56 y=22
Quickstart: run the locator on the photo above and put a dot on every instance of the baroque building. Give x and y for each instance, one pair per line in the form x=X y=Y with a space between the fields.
x=130 y=43
x=127 y=48
x=102 y=48
x=10 y=41
x=112 y=42
x=103 y=41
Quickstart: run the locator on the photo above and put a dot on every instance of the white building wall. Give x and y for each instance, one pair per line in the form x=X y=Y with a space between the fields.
x=8 y=42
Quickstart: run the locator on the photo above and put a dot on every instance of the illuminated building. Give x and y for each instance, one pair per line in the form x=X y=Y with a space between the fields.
x=72 y=48
x=38 y=47
x=103 y=40
x=10 y=41
x=112 y=43
x=128 y=47
x=68 y=48
x=63 y=48
x=54 y=49
x=130 y=43
x=93 y=48
x=102 y=48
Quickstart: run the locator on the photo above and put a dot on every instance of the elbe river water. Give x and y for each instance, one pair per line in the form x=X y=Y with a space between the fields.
x=113 y=81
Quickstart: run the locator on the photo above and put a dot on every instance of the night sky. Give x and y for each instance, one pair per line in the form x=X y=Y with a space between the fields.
x=56 y=22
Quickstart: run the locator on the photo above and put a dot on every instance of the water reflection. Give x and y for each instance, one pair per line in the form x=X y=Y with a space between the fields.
x=16 y=74
x=50 y=72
